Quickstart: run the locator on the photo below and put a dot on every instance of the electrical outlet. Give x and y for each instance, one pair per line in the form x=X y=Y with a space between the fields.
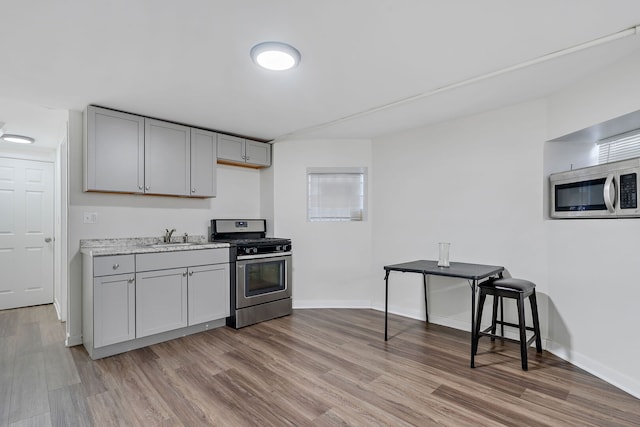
x=90 y=217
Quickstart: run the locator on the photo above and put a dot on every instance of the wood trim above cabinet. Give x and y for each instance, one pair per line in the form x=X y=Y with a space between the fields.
x=244 y=165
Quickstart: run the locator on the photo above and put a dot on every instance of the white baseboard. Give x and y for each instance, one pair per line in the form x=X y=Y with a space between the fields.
x=56 y=305
x=605 y=373
x=74 y=340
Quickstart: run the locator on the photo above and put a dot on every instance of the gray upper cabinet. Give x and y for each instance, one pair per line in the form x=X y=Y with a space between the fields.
x=243 y=151
x=231 y=148
x=167 y=158
x=203 y=163
x=127 y=153
x=114 y=151
x=257 y=153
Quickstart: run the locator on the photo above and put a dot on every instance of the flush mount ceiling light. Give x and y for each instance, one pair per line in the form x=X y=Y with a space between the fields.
x=275 y=56
x=18 y=139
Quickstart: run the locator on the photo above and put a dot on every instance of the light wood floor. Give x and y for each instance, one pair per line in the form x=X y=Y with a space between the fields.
x=315 y=367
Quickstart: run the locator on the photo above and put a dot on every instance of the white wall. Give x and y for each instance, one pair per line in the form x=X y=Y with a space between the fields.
x=606 y=95
x=432 y=184
x=476 y=183
x=480 y=183
x=332 y=260
x=593 y=264
x=121 y=216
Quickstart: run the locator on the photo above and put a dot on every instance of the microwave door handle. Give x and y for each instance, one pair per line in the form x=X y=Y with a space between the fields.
x=610 y=193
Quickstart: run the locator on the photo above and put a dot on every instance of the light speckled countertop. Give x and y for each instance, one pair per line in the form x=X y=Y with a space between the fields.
x=141 y=245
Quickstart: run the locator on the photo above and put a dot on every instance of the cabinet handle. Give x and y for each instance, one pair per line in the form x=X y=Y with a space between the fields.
x=193 y=190
x=184 y=274
x=131 y=280
x=147 y=187
x=246 y=158
x=140 y=187
x=116 y=266
x=191 y=273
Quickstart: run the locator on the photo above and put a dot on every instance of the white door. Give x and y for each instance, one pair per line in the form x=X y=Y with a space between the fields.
x=26 y=233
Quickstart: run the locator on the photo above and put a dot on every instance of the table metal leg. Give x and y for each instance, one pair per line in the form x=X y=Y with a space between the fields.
x=426 y=307
x=474 y=339
x=386 y=302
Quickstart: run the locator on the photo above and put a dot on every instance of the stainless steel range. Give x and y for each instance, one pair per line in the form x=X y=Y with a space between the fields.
x=261 y=279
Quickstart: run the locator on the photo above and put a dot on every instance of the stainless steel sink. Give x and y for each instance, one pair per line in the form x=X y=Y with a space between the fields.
x=172 y=245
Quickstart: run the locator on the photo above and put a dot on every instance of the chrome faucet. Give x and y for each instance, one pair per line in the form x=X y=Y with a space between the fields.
x=167 y=235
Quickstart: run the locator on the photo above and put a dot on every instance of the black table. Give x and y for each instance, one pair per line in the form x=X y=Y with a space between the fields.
x=474 y=273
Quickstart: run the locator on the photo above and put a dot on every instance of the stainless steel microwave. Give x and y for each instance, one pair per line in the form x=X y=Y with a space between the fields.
x=604 y=191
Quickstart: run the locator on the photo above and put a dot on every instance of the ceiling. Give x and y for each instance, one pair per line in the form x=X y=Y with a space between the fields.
x=188 y=61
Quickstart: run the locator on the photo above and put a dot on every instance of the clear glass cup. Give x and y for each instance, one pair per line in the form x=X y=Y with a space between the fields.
x=443 y=257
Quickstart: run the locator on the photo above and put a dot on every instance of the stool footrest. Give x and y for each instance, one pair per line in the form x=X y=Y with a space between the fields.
x=514 y=325
x=485 y=333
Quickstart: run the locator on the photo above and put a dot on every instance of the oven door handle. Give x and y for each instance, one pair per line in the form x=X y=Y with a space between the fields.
x=259 y=256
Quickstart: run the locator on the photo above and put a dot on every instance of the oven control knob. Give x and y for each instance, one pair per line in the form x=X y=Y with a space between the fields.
x=279 y=248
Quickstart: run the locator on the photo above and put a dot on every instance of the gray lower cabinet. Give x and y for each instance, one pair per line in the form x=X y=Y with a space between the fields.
x=243 y=151
x=192 y=287
x=208 y=293
x=161 y=301
x=114 y=308
x=108 y=300
x=131 y=301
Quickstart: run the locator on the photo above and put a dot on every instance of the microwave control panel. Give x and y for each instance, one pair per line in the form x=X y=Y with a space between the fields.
x=628 y=191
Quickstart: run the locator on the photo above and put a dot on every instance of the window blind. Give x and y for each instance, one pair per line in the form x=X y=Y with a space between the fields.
x=336 y=196
x=619 y=147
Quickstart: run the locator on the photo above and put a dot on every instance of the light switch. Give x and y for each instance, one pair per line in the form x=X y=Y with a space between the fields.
x=90 y=217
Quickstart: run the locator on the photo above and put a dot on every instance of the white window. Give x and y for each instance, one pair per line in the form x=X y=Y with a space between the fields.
x=336 y=194
x=619 y=147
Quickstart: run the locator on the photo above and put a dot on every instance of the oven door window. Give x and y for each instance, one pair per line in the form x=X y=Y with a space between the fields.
x=264 y=277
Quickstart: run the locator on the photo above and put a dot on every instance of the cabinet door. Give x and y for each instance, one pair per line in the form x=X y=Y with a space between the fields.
x=208 y=293
x=257 y=153
x=113 y=309
x=114 y=151
x=203 y=163
x=167 y=158
x=231 y=148
x=161 y=301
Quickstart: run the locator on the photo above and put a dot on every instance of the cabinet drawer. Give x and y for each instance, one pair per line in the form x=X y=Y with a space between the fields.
x=113 y=264
x=178 y=259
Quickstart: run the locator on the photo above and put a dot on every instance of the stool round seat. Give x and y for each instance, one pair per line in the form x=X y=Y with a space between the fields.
x=520 y=285
x=519 y=290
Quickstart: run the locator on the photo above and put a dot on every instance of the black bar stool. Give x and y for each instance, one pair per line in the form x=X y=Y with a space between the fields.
x=517 y=289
